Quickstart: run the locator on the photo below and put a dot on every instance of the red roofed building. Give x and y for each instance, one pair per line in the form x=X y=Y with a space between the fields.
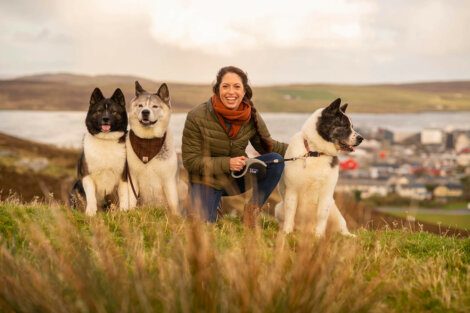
x=348 y=165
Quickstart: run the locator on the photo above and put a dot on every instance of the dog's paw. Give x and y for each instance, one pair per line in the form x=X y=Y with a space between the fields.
x=287 y=229
x=90 y=211
x=349 y=235
x=319 y=234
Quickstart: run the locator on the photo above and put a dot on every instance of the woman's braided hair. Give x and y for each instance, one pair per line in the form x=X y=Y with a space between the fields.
x=266 y=143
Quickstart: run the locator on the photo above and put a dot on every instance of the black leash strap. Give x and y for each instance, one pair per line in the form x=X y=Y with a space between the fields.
x=313 y=154
x=130 y=181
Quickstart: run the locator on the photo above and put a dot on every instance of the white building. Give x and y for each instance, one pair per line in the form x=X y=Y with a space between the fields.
x=432 y=136
x=413 y=191
x=367 y=187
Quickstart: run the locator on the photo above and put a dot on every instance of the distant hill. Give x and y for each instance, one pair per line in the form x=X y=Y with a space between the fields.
x=72 y=92
x=66 y=91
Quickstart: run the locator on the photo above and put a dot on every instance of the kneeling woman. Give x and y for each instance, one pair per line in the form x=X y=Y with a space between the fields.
x=215 y=136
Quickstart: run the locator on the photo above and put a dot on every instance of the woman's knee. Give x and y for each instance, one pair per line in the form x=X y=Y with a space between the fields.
x=275 y=163
x=271 y=157
x=279 y=164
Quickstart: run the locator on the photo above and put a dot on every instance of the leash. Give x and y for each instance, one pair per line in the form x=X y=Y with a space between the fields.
x=309 y=154
x=129 y=177
x=255 y=165
x=313 y=154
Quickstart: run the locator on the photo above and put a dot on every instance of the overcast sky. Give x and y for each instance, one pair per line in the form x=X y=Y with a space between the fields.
x=275 y=41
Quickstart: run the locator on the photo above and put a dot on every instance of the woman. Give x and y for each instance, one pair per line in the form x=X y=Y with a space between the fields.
x=215 y=136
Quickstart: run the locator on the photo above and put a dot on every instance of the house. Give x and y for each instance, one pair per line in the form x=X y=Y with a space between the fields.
x=348 y=164
x=414 y=191
x=432 y=136
x=377 y=170
x=449 y=190
x=396 y=180
x=368 y=187
x=462 y=141
x=463 y=158
x=385 y=135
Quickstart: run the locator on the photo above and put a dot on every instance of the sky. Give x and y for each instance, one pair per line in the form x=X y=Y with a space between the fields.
x=274 y=41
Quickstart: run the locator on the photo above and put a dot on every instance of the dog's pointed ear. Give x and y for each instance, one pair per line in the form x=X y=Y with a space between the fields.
x=344 y=107
x=164 y=93
x=118 y=97
x=333 y=108
x=96 y=96
x=138 y=89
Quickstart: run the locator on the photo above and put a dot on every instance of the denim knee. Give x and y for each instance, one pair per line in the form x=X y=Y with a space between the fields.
x=277 y=167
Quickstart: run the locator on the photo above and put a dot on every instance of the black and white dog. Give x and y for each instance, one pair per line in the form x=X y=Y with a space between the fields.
x=101 y=168
x=308 y=183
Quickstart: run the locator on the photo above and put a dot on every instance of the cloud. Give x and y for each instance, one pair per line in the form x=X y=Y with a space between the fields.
x=229 y=27
x=276 y=41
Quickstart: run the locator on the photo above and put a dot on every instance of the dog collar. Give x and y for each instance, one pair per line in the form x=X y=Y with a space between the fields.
x=146 y=149
x=311 y=153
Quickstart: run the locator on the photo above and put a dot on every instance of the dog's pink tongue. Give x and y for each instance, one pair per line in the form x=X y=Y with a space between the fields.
x=105 y=128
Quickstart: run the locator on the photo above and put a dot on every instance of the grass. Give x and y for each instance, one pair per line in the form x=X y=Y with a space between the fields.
x=455 y=205
x=56 y=260
x=456 y=221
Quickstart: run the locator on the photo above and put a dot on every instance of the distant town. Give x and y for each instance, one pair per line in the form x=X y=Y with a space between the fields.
x=432 y=165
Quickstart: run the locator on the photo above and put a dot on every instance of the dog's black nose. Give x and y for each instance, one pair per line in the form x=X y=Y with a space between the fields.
x=359 y=139
x=105 y=119
x=145 y=113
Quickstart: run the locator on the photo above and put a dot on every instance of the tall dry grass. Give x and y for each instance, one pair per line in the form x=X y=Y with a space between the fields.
x=55 y=260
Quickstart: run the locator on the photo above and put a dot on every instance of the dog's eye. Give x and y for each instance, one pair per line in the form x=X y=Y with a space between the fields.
x=141 y=105
x=155 y=106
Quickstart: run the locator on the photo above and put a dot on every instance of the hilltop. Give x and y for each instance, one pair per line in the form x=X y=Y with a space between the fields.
x=56 y=260
x=66 y=91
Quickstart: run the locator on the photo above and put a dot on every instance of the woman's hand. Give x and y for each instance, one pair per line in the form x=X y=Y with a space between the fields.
x=237 y=163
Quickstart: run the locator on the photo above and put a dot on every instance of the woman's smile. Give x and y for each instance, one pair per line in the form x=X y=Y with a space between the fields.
x=231 y=91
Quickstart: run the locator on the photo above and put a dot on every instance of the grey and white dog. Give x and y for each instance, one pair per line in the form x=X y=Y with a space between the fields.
x=151 y=154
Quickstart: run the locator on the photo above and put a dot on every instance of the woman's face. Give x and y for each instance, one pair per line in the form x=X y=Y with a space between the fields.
x=231 y=91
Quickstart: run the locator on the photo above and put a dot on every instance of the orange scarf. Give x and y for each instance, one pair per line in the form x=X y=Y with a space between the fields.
x=236 y=117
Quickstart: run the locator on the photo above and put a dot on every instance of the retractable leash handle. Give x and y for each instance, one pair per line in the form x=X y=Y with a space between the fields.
x=252 y=166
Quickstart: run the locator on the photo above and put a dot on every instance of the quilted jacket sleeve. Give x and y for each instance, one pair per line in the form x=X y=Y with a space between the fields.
x=196 y=157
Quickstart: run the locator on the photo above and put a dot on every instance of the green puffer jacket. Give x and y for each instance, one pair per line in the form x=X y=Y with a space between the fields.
x=207 y=148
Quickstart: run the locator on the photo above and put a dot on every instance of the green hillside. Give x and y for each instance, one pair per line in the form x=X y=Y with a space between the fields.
x=72 y=92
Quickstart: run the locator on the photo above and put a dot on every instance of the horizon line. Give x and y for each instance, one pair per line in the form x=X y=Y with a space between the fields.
x=4 y=77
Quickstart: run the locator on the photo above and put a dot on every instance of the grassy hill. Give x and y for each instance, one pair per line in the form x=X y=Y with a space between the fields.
x=72 y=92
x=56 y=260
x=33 y=170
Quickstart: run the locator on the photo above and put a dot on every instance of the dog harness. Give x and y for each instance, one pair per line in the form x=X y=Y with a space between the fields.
x=146 y=149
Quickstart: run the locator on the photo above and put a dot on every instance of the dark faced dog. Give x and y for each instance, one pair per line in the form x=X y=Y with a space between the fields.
x=101 y=168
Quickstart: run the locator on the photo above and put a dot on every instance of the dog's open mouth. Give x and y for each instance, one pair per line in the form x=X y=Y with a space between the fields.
x=147 y=122
x=105 y=128
x=346 y=147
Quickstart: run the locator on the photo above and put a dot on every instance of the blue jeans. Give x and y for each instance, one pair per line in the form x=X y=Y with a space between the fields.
x=208 y=198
